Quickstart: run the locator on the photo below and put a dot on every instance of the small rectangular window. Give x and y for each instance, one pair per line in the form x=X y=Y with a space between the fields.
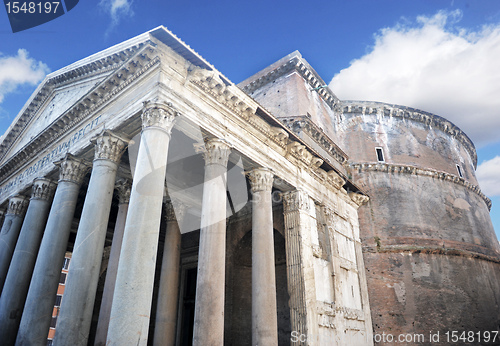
x=49 y=342
x=58 y=300
x=62 y=278
x=53 y=322
x=459 y=171
x=380 y=154
x=66 y=263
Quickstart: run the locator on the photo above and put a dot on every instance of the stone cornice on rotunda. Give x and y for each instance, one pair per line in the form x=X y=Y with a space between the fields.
x=427 y=172
x=412 y=114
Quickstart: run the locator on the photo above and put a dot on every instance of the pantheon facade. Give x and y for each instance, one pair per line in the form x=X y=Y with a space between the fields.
x=197 y=211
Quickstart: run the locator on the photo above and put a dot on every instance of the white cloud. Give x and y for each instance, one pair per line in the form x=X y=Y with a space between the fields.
x=117 y=9
x=436 y=66
x=488 y=175
x=18 y=70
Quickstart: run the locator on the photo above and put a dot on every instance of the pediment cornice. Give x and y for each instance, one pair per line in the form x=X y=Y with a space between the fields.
x=132 y=66
x=46 y=90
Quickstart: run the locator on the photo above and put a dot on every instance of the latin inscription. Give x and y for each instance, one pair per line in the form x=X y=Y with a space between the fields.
x=51 y=156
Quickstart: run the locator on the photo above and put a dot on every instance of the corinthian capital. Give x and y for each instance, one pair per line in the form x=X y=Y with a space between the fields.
x=261 y=179
x=295 y=200
x=174 y=210
x=214 y=151
x=72 y=169
x=123 y=187
x=159 y=114
x=17 y=205
x=42 y=189
x=109 y=146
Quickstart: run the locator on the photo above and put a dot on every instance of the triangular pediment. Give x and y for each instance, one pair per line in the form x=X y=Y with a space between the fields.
x=71 y=89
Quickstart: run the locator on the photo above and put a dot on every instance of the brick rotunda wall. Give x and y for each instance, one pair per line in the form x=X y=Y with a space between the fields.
x=431 y=254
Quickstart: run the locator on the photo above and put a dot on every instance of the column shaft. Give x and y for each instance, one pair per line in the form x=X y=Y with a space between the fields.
x=264 y=313
x=23 y=261
x=131 y=308
x=10 y=232
x=37 y=314
x=123 y=187
x=168 y=294
x=209 y=304
x=75 y=317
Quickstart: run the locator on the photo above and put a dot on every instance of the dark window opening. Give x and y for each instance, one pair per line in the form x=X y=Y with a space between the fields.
x=53 y=322
x=188 y=304
x=58 y=300
x=459 y=171
x=62 y=278
x=66 y=263
x=380 y=154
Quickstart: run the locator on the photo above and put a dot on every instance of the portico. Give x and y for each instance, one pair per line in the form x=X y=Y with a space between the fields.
x=218 y=188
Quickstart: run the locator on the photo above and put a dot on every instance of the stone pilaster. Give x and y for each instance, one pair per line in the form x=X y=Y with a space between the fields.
x=10 y=233
x=130 y=311
x=122 y=188
x=168 y=293
x=300 y=272
x=75 y=316
x=264 y=312
x=35 y=321
x=209 y=308
x=23 y=260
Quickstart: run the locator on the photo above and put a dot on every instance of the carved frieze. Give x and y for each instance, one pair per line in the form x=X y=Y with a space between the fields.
x=280 y=136
x=109 y=146
x=42 y=189
x=159 y=114
x=222 y=90
x=350 y=313
x=303 y=123
x=295 y=200
x=359 y=198
x=335 y=179
x=261 y=179
x=123 y=188
x=72 y=169
x=214 y=151
x=326 y=313
x=17 y=205
x=300 y=152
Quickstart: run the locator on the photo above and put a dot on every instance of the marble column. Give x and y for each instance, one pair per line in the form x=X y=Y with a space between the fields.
x=299 y=264
x=264 y=312
x=123 y=188
x=168 y=293
x=131 y=308
x=10 y=232
x=23 y=261
x=75 y=317
x=37 y=314
x=209 y=304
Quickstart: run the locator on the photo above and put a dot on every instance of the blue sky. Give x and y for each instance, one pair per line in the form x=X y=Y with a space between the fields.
x=366 y=47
